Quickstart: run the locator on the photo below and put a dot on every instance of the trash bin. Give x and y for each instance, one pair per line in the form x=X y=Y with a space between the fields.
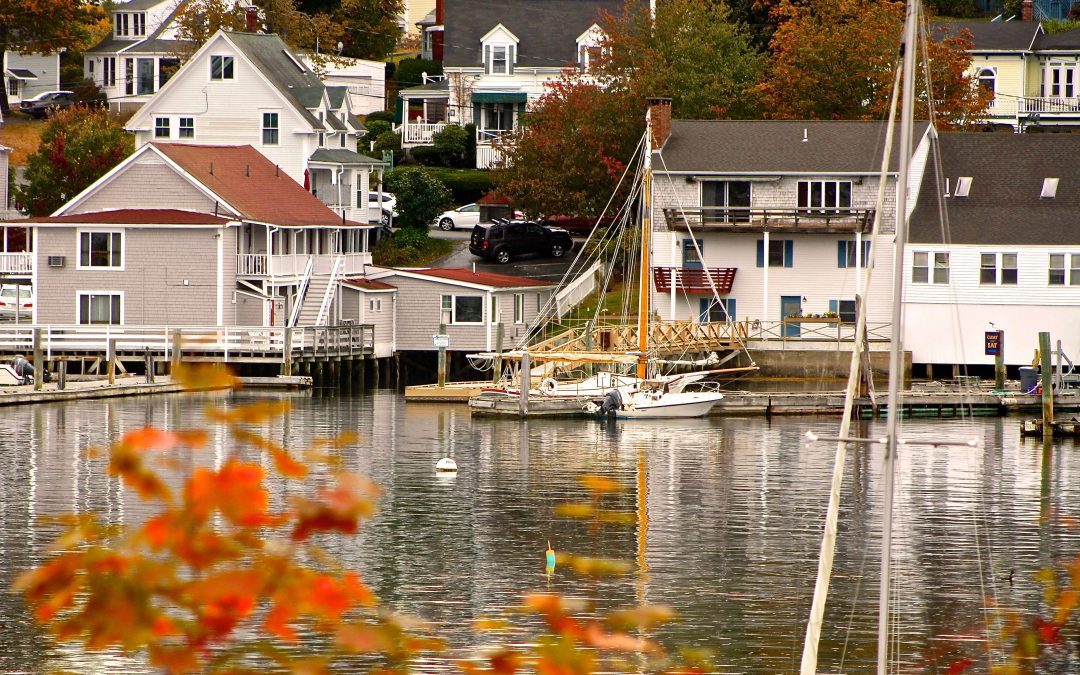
x=1029 y=379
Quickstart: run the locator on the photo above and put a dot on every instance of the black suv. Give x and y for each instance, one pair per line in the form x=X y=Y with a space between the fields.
x=503 y=240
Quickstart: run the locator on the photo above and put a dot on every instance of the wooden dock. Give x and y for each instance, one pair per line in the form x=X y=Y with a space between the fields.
x=77 y=390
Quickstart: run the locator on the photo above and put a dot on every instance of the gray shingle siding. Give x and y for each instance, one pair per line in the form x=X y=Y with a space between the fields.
x=135 y=185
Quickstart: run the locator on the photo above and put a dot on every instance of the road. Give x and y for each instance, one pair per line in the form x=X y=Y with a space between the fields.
x=543 y=269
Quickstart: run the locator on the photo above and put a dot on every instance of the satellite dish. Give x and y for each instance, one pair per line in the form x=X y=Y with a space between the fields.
x=340 y=46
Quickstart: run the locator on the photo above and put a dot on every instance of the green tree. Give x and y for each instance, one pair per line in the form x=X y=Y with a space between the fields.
x=370 y=27
x=696 y=54
x=78 y=146
x=45 y=26
x=410 y=72
x=388 y=140
x=420 y=196
x=452 y=144
x=572 y=149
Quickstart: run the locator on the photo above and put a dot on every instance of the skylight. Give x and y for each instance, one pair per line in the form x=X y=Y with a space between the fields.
x=1049 y=190
x=963 y=186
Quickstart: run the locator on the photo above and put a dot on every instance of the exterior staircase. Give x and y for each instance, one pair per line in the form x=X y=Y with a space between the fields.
x=309 y=311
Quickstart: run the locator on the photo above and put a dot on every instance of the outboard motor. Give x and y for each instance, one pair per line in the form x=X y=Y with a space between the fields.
x=612 y=402
x=23 y=369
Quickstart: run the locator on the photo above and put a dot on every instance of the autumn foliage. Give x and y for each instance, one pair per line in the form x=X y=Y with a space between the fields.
x=219 y=578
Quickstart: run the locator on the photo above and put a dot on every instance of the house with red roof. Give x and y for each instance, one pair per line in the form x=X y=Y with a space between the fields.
x=471 y=305
x=195 y=235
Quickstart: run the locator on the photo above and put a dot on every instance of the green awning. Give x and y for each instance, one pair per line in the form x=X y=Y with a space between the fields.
x=500 y=97
x=399 y=110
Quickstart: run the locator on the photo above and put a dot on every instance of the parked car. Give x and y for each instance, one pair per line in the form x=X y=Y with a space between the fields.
x=47 y=103
x=578 y=225
x=463 y=216
x=503 y=240
x=389 y=205
x=14 y=297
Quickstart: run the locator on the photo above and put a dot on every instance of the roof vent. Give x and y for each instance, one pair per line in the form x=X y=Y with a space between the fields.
x=1049 y=190
x=963 y=186
x=804 y=138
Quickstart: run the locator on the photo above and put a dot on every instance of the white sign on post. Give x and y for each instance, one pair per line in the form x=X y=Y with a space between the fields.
x=441 y=341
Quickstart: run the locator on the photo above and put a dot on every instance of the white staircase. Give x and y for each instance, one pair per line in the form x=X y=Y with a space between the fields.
x=309 y=310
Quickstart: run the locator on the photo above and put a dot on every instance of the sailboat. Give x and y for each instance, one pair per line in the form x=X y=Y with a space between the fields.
x=644 y=393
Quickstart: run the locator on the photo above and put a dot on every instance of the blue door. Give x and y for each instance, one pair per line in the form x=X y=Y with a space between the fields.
x=791 y=305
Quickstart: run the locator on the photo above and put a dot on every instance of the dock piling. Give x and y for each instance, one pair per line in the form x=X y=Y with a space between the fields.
x=39 y=367
x=1047 y=384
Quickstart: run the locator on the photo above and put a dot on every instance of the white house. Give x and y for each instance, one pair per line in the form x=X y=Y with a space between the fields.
x=776 y=215
x=364 y=80
x=497 y=56
x=251 y=88
x=1012 y=257
x=27 y=75
x=140 y=55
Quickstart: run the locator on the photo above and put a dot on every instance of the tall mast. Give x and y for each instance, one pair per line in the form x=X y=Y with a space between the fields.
x=896 y=373
x=644 y=282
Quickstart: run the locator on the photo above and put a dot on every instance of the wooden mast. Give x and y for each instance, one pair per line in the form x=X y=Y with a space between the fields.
x=644 y=283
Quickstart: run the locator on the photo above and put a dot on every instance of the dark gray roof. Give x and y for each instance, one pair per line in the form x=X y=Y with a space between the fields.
x=1069 y=40
x=439 y=88
x=159 y=46
x=342 y=156
x=994 y=36
x=267 y=52
x=547 y=29
x=136 y=5
x=22 y=73
x=777 y=147
x=428 y=20
x=336 y=95
x=1003 y=206
x=110 y=45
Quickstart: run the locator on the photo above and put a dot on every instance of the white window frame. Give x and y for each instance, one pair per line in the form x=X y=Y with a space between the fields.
x=162 y=130
x=375 y=304
x=226 y=60
x=78 y=306
x=79 y=249
x=987 y=78
x=928 y=262
x=1052 y=268
x=180 y=128
x=519 y=308
x=1074 y=269
x=449 y=315
x=821 y=204
x=264 y=128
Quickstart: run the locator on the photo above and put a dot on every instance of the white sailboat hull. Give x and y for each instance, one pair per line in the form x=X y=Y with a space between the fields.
x=674 y=404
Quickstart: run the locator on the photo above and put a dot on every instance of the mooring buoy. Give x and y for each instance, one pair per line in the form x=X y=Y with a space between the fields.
x=446 y=465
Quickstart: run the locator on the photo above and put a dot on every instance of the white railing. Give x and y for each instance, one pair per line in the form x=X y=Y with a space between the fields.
x=224 y=342
x=809 y=331
x=576 y=290
x=295 y=265
x=252 y=265
x=491 y=135
x=413 y=132
x=294 y=316
x=328 y=296
x=488 y=156
x=16 y=263
x=1050 y=104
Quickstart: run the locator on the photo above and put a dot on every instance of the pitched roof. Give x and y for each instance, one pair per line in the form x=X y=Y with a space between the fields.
x=1069 y=40
x=548 y=29
x=250 y=183
x=342 y=156
x=994 y=36
x=370 y=284
x=492 y=279
x=270 y=55
x=1003 y=205
x=134 y=217
x=776 y=146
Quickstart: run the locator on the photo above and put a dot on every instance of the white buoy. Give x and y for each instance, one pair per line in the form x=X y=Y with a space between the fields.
x=446 y=465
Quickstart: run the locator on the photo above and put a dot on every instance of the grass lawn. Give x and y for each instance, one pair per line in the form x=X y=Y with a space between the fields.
x=22 y=135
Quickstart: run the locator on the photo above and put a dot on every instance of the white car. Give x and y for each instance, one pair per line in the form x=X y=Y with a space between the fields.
x=389 y=205
x=463 y=217
x=12 y=297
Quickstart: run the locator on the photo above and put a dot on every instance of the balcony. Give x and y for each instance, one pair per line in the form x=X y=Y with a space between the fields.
x=1049 y=107
x=415 y=133
x=293 y=266
x=16 y=263
x=748 y=219
x=694 y=280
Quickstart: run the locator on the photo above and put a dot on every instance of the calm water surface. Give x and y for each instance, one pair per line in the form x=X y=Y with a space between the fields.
x=728 y=536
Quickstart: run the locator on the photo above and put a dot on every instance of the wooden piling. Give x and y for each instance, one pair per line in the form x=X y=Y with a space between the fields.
x=111 y=356
x=177 y=357
x=442 y=357
x=497 y=370
x=1047 y=384
x=525 y=382
x=61 y=375
x=39 y=367
x=286 y=353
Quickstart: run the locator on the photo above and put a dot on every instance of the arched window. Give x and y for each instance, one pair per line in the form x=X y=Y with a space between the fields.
x=987 y=79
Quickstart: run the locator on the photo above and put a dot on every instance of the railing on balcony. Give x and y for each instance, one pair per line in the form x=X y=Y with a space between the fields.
x=778 y=220
x=1044 y=105
x=492 y=135
x=414 y=132
x=262 y=265
x=691 y=280
x=16 y=263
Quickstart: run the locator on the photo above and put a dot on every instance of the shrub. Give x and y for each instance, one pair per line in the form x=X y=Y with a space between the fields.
x=376 y=128
x=426 y=155
x=410 y=71
x=466 y=185
x=409 y=247
x=380 y=115
x=388 y=140
x=452 y=144
x=420 y=196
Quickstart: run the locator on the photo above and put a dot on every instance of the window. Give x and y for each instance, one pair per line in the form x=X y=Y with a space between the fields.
x=824 y=196
x=725 y=201
x=588 y=55
x=712 y=310
x=845 y=253
x=920 y=268
x=941 y=268
x=270 y=128
x=375 y=305
x=690 y=257
x=845 y=309
x=1008 y=269
x=161 y=127
x=1057 y=269
x=988 y=268
x=101 y=307
x=138 y=25
x=987 y=79
x=101 y=249
x=322 y=139
x=1074 y=270
x=341 y=140
x=187 y=127
x=221 y=67
x=519 y=308
x=462 y=309
x=166 y=69
x=1061 y=81
x=13 y=87
x=963 y=186
x=120 y=20
x=781 y=253
x=129 y=76
x=108 y=71
x=498 y=59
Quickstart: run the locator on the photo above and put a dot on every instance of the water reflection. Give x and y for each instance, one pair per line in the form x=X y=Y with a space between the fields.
x=728 y=519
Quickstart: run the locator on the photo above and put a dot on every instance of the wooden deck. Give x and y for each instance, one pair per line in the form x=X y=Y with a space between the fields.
x=668 y=338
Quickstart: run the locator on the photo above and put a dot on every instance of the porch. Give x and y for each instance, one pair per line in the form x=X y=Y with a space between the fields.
x=341 y=179
x=17 y=263
x=1049 y=108
x=261 y=265
x=747 y=219
x=423 y=111
x=289 y=254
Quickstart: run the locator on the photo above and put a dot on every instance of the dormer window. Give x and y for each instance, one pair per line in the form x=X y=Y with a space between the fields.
x=129 y=24
x=500 y=51
x=588 y=47
x=1049 y=188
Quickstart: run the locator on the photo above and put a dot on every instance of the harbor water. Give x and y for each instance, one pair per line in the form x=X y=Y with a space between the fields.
x=727 y=520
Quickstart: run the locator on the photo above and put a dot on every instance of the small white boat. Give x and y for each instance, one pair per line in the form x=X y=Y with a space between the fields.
x=655 y=403
x=8 y=376
x=598 y=385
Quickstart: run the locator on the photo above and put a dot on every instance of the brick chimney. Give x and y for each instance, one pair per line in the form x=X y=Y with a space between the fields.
x=1027 y=10
x=660 y=113
x=251 y=20
x=437 y=36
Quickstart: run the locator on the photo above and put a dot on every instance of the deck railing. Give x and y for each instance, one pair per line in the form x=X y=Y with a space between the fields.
x=1049 y=105
x=262 y=265
x=694 y=280
x=735 y=218
x=416 y=132
x=16 y=263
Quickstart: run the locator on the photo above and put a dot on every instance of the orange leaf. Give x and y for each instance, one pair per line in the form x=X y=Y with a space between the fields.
x=174 y=659
x=278 y=620
x=287 y=466
x=356 y=637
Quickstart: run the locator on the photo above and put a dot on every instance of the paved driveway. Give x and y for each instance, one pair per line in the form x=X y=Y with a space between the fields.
x=544 y=269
